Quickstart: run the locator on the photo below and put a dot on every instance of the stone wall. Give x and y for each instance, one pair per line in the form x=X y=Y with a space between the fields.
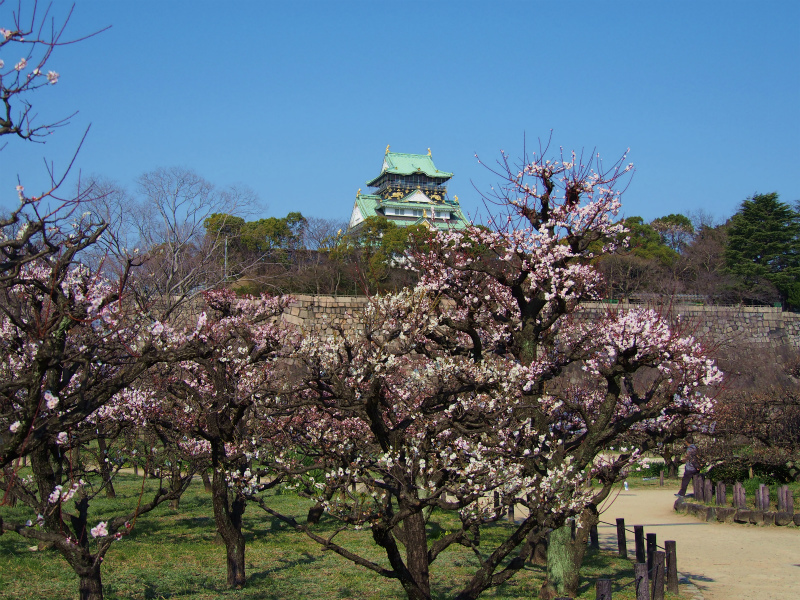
x=758 y=325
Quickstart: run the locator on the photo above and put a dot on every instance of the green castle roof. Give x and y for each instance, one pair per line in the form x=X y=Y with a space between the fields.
x=369 y=203
x=407 y=164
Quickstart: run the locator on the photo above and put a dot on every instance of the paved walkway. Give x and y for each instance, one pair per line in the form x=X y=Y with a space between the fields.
x=727 y=562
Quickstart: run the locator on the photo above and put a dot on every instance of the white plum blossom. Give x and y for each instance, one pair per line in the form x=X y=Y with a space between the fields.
x=99 y=530
x=51 y=399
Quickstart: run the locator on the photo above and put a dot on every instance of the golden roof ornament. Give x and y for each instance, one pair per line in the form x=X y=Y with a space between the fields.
x=358 y=193
x=429 y=151
x=387 y=149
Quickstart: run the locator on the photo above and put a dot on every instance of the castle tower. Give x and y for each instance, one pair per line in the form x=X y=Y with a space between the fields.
x=408 y=191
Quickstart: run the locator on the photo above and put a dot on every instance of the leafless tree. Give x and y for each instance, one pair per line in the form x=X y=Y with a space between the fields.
x=36 y=34
x=162 y=229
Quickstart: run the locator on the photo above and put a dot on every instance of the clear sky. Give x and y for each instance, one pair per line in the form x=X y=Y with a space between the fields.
x=298 y=100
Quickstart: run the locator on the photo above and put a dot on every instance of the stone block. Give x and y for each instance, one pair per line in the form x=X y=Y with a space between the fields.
x=796 y=519
x=783 y=518
x=769 y=517
x=742 y=516
x=725 y=514
x=757 y=517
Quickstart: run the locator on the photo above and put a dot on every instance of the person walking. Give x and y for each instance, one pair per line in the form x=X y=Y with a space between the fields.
x=691 y=467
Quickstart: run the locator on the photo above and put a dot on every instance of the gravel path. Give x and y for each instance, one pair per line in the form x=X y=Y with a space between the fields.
x=726 y=562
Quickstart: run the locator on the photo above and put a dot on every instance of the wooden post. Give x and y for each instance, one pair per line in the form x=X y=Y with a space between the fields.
x=781 y=498
x=658 y=575
x=652 y=546
x=722 y=494
x=497 y=499
x=603 y=589
x=622 y=542
x=638 y=537
x=788 y=498
x=739 y=496
x=697 y=488
x=708 y=490
x=661 y=478
x=672 y=566
x=594 y=541
x=511 y=513
x=763 y=491
x=641 y=581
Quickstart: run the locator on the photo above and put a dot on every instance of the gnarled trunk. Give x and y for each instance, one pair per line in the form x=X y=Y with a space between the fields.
x=416 y=542
x=228 y=517
x=565 y=551
x=90 y=585
x=105 y=467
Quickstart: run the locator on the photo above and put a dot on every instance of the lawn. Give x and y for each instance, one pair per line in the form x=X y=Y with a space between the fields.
x=173 y=554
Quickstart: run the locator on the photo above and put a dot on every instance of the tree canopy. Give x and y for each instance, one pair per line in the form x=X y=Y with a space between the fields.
x=764 y=243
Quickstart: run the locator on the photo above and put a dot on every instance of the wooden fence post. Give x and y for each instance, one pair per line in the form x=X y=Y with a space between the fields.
x=763 y=497
x=641 y=581
x=781 y=498
x=789 y=500
x=658 y=575
x=739 y=496
x=603 y=589
x=638 y=537
x=661 y=478
x=722 y=494
x=511 y=512
x=652 y=546
x=594 y=542
x=672 y=566
x=708 y=490
x=697 y=488
x=622 y=542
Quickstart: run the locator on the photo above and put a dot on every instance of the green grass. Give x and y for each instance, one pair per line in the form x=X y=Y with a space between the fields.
x=172 y=554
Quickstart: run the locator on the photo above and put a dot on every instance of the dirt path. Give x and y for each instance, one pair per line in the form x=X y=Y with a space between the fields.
x=727 y=562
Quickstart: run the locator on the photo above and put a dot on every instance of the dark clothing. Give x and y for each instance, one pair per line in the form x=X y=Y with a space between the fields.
x=687 y=477
x=691 y=469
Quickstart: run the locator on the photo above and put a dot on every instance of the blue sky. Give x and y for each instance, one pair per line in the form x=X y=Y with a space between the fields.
x=298 y=100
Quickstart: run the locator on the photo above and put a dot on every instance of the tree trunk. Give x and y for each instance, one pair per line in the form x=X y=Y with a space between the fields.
x=671 y=463
x=416 y=543
x=565 y=552
x=90 y=585
x=105 y=470
x=206 y=480
x=175 y=484
x=228 y=516
x=315 y=514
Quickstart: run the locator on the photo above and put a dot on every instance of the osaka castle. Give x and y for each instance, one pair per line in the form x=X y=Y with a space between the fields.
x=409 y=190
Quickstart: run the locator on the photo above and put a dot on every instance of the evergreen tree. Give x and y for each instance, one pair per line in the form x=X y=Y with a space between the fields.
x=764 y=243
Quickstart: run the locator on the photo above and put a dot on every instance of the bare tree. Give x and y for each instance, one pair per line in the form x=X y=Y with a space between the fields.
x=36 y=34
x=162 y=229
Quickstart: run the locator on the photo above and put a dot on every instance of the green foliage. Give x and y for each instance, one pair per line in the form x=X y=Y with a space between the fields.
x=645 y=242
x=224 y=225
x=652 y=469
x=764 y=243
x=374 y=249
x=259 y=236
x=676 y=231
x=737 y=468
